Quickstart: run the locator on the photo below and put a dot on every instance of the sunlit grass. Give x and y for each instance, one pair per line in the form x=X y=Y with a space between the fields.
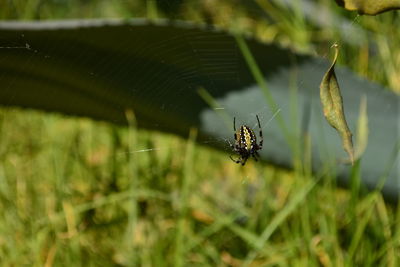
x=66 y=198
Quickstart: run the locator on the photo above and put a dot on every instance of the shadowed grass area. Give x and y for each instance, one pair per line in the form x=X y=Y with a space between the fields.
x=78 y=192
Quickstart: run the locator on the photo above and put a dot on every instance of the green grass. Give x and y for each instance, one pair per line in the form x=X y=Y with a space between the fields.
x=76 y=192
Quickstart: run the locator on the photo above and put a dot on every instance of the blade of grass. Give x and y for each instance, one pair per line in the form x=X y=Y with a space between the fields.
x=180 y=249
x=258 y=76
x=390 y=164
x=279 y=218
x=213 y=103
x=355 y=185
x=216 y=226
x=366 y=207
x=151 y=9
x=387 y=232
x=134 y=186
x=107 y=200
x=229 y=222
x=396 y=226
x=362 y=129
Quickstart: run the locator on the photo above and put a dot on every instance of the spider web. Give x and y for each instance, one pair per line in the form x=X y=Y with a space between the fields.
x=109 y=66
x=221 y=64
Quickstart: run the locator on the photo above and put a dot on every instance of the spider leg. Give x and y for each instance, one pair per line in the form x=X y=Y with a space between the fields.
x=244 y=160
x=236 y=161
x=261 y=135
x=255 y=155
x=234 y=124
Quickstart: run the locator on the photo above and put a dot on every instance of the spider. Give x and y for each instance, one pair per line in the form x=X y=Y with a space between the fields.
x=246 y=142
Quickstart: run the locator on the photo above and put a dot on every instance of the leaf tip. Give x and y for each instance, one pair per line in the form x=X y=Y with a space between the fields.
x=335 y=45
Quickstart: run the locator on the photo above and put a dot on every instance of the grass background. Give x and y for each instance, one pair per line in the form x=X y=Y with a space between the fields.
x=79 y=192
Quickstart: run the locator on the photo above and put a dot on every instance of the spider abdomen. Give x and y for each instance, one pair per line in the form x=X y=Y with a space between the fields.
x=246 y=142
x=246 y=139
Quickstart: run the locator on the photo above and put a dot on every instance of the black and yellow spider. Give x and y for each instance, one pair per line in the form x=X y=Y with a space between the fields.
x=246 y=142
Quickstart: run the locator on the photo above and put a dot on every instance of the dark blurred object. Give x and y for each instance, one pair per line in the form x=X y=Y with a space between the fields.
x=169 y=7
